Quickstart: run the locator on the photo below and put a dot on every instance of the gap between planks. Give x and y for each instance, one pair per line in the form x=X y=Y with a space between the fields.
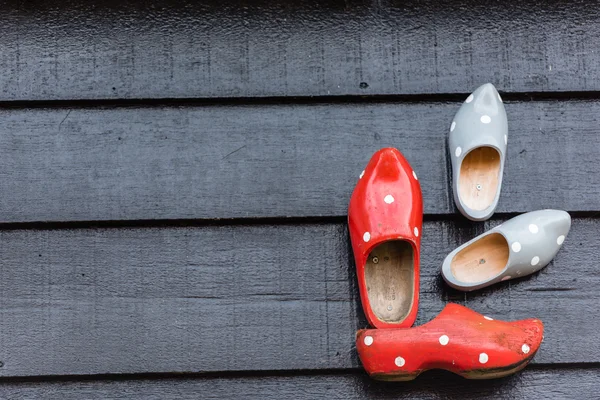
x=300 y=100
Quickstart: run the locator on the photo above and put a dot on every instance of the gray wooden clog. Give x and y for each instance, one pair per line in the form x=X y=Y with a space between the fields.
x=518 y=247
x=477 y=144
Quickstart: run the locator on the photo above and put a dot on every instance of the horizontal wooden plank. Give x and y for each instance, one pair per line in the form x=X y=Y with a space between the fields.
x=72 y=50
x=272 y=160
x=532 y=383
x=258 y=297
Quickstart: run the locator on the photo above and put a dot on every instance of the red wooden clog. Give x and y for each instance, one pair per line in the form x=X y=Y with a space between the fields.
x=385 y=218
x=458 y=340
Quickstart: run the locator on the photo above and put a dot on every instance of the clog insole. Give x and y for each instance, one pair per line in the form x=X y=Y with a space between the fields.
x=390 y=278
x=482 y=260
x=479 y=175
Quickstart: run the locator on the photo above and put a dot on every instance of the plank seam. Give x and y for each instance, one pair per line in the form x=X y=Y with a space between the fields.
x=203 y=222
x=244 y=374
x=296 y=100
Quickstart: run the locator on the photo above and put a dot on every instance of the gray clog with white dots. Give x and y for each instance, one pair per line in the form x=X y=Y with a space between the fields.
x=518 y=247
x=477 y=145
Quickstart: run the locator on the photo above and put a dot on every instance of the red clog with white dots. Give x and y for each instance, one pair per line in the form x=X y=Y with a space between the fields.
x=385 y=218
x=458 y=340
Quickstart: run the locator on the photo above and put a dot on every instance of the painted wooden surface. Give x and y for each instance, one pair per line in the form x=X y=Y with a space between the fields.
x=272 y=160
x=387 y=205
x=174 y=182
x=246 y=298
x=566 y=384
x=458 y=340
x=68 y=49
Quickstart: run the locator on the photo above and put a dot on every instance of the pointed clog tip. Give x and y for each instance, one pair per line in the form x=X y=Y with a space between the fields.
x=535 y=330
x=486 y=88
x=387 y=165
x=388 y=153
x=560 y=219
x=487 y=95
x=565 y=219
x=489 y=85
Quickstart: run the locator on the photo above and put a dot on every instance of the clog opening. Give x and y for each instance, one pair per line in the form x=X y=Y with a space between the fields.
x=479 y=176
x=390 y=279
x=482 y=260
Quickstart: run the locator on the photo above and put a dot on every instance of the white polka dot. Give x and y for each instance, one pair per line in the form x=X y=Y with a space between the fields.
x=389 y=199
x=444 y=340
x=516 y=247
x=399 y=361
x=507 y=277
x=368 y=340
x=533 y=228
x=415 y=175
x=361 y=174
x=483 y=358
x=525 y=349
x=505 y=139
x=458 y=151
x=367 y=236
x=499 y=98
x=560 y=239
x=416 y=231
x=488 y=318
x=469 y=99
x=452 y=126
x=535 y=260
x=485 y=119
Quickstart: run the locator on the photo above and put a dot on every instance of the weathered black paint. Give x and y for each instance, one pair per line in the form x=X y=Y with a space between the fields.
x=70 y=49
x=180 y=162
x=532 y=383
x=244 y=298
x=270 y=309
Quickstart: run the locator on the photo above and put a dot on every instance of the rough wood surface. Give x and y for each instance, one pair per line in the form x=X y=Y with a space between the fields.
x=233 y=298
x=532 y=383
x=272 y=160
x=75 y=50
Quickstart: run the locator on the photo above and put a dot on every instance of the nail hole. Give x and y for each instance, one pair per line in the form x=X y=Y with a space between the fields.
x=364 y=85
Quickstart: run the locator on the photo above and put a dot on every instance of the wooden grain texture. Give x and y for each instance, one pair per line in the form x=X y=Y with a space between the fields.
x=239 y=298
x=135 y=163
x=68 y=49
x=532 y=383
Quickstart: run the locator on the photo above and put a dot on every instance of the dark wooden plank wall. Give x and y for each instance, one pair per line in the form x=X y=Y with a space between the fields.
x=532 y=383
x=270 y=160
x=68 y=49
x=246 y=298
x=175 y=178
